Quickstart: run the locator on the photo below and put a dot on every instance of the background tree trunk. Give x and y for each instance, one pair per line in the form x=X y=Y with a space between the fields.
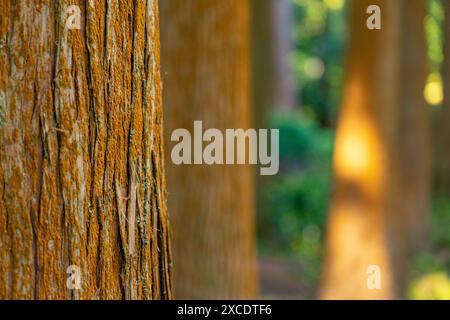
x=205 y=47
x=412 y=151
x=274 y=80
x=362 y=226
x=262 y=97
x=443 y=135
x=382 y=164
x=81 y=171
x=274 y=85
x=283 y=84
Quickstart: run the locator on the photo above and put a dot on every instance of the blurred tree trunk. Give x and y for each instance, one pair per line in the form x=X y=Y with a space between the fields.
x=205 y=46
x=274 y=85
x=81 y=171
x=381 y=154
x=261 y=60
x=413 y=150
x=282 y=81
x=274 y=81
x=443 y=139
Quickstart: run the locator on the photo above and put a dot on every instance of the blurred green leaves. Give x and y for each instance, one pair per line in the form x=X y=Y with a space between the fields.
x=320 y=35
x=431 y=267
x=433 y=26
x=296 y=201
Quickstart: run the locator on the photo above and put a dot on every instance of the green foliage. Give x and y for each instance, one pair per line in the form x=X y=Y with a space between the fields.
x=434 y=286
x=431 y=268
x=434 y=31
x=301 y=139
x=296 y=201
x=440 y=222
x=320 y=33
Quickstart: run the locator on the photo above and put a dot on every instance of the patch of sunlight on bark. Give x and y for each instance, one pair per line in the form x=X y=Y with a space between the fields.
x=359 y=153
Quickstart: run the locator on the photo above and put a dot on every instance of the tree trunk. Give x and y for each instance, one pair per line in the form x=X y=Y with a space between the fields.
x=81 y=172
x=443 y=138
x=381 y=154
x=262 y=97
x=205 y=45
x=412 y=151
x=274 y=81
x=356 y=234
x=282 y=81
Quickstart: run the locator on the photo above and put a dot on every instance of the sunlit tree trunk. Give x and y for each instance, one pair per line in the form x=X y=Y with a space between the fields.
x=381 y=155
x=205 y=47
x=401 y=133
x=443 y=138
x=81 y=160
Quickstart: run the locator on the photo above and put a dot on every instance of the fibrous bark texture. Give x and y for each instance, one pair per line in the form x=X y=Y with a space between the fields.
x=81 y=153
x=381 y=163
x=205 y=46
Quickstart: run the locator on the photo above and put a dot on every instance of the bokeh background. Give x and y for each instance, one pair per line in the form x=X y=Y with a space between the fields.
x=292 y=219
x=362 y=119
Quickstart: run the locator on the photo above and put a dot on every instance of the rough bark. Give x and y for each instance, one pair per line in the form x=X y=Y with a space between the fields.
x=81 y=171
x=356 y=234
x=205 y=46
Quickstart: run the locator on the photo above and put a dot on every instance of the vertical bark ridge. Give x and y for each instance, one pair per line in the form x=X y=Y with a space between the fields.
x=81 y=164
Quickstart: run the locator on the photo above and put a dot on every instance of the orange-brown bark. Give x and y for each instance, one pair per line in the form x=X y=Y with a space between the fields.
x=205 y=46
x=381 y=155
x=81 y=154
